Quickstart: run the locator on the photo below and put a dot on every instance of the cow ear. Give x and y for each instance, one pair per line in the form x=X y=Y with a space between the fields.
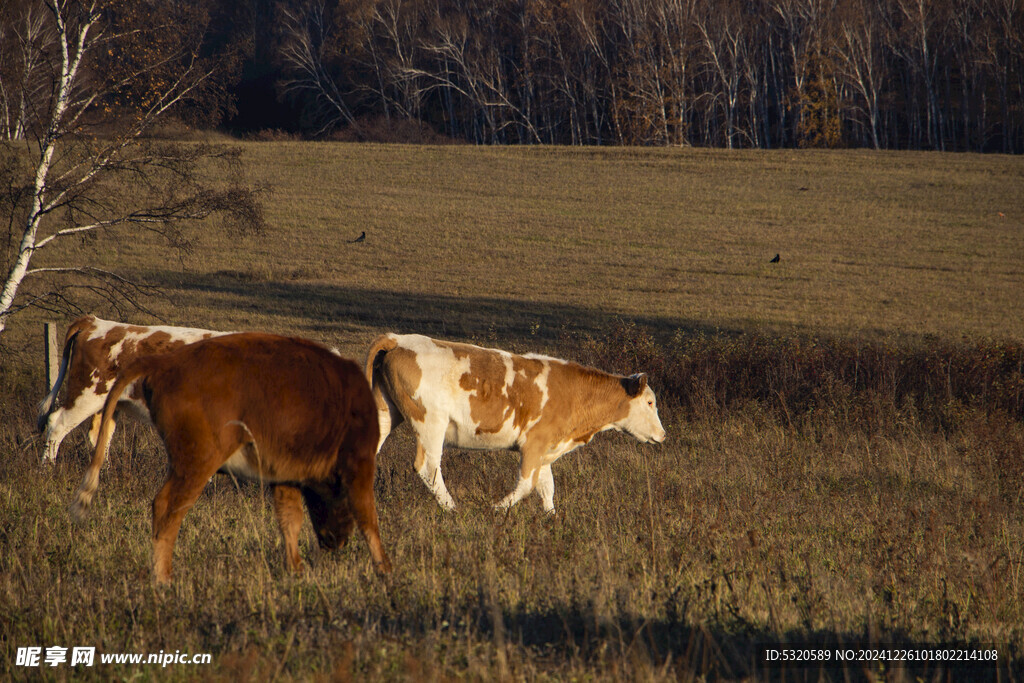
x=634 y=384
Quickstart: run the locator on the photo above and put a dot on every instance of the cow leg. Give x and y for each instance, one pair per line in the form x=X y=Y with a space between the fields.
x=94 y=426
x=546 y=488
x=524 y=486
x=176 y=498
x=194 y=458
x=360 y=493
x=288 y=508
x=428 y=466
x=531 y=474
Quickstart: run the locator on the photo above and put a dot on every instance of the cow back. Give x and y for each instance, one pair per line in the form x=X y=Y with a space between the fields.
x=300 y=404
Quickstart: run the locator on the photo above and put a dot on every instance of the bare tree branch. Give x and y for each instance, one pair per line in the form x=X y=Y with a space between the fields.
x=83 y=184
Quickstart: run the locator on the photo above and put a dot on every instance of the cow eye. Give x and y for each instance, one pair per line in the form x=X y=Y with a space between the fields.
x=650 y=403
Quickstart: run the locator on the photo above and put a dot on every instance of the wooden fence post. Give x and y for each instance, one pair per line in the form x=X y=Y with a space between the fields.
x=50 y=345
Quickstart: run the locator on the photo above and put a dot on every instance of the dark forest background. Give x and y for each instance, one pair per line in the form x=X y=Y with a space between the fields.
x=892 y=74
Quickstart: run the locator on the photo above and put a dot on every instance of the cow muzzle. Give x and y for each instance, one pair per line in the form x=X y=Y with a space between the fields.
x=649 y=438
x=657 y=437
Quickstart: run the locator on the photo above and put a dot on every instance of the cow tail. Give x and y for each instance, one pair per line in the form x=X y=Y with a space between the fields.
x=380 y=346
x=91 y=480
x=387 y=414
x=48 y=403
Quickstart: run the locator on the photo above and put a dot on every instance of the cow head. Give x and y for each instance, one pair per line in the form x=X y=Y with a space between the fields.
x=330 y=515
x=642 y=420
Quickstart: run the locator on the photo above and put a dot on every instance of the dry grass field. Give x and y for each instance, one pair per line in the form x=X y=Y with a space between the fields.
x=845 y=457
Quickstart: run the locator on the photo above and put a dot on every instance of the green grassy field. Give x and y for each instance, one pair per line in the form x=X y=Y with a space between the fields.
x=827 y=508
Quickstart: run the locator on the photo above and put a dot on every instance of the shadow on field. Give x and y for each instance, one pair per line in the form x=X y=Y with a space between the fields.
x=437 y=315
x=679 y=649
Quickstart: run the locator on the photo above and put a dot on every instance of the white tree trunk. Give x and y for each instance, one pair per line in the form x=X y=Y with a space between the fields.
x=71 y=49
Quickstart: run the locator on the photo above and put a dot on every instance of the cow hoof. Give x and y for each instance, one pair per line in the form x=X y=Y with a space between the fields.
x=79 y=509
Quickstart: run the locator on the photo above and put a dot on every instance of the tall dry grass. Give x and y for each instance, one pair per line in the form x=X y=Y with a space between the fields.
x=798 y=502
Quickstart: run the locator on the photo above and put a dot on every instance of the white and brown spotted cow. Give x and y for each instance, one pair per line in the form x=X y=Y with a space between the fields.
x=472 y=397
x=94 y=351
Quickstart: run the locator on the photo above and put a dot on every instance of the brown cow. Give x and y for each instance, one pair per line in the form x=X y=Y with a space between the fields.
x=94 y=351
x=283 y=410
x=472 y=397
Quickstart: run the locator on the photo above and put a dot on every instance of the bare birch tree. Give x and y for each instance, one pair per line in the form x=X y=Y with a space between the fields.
x=79 y=173
x=472 y=67
x=861 y=60
x=306 y=52
x=920 y=52
x=390 y=41
x=23 y=35
x=722 y=31
x=1006 y=54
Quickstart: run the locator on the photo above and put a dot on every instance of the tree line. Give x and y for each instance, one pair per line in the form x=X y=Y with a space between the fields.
x=892 y=74
x=896 y=74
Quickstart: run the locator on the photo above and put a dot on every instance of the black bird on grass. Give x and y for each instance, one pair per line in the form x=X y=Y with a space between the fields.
x=775 y=260
x=361 y=238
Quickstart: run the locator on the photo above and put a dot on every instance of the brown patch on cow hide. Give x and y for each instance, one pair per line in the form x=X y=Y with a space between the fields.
x=401 y=374
x=581 y=402
x=91 y=363
x=157 y=342
x=492 y=402
x=79 y=372
x=525 y=395
x=485 y=383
